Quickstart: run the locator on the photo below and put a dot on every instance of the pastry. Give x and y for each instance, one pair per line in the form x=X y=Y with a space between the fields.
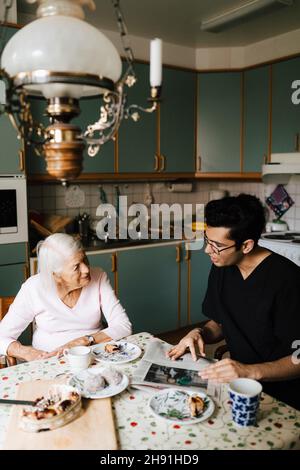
x=112 y=376
x=196 y=405
x=111 y=348
x=94 y=383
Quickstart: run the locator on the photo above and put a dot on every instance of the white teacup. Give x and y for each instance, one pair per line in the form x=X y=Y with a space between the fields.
x=79 y=357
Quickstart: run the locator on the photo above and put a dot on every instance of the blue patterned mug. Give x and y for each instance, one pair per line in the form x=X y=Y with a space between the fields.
x=245 y=397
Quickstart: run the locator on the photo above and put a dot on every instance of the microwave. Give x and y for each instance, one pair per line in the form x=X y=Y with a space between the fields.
x=13 y=209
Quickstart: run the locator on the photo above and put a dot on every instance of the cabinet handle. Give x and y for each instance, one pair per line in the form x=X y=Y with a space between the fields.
x=156 y=166
x=265 y=159
x=187 y=253
x=178 y=254
x=199 y=163
x=113 y=263
x=163 y=166
x=297 y=142
x=21 y=160
x=25 y=271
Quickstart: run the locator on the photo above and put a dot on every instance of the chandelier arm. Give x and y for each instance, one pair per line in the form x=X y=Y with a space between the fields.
x=111 y=115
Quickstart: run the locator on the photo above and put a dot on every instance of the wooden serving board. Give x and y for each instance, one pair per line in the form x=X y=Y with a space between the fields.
x=93 y=429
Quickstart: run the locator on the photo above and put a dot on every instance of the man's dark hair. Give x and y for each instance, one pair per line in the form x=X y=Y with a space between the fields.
x=243 y=215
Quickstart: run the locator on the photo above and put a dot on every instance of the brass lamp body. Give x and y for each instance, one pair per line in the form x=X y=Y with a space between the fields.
x=64 y=147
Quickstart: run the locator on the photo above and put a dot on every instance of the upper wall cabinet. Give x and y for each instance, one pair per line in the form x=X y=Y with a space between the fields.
x=137 y=140
x=219 y=122
x=177 y=120
x=256 y=118
x=10 y=159
x=103 y=162
x=285 y=114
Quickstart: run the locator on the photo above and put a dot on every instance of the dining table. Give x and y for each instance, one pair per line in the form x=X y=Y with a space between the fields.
x=278 y=425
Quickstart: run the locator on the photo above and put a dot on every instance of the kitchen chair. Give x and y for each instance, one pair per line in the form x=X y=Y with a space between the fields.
x=5 y=303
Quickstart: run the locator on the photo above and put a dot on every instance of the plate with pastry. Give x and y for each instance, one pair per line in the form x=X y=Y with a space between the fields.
x=99 y=382
x=181 y=406
x=116 y=352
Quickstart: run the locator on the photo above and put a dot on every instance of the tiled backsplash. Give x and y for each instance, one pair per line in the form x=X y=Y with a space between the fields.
x=51 y=198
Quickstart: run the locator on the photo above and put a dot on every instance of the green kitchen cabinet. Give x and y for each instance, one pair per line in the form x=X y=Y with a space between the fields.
x=104 y=261
x=103 y=161
x=11 y=253
x=195 y=268
x=11 y=278
x=285 y=114
x=10 y=144
x=36 y=164
x=219 y=122
x=137 y=140
x=256 y=118
x=177 y=120
x=148 y=287
x=200 y=269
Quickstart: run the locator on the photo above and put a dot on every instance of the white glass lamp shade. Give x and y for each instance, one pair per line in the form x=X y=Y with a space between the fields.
x=62 y=44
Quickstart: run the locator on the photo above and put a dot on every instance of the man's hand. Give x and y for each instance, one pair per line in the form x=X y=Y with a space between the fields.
x=227 y=370
x=189 y=341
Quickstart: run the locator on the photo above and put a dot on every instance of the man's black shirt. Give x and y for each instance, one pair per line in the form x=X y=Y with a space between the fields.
x=259 y=315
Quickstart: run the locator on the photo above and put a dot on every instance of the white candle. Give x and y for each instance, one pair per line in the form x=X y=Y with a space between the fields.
x=155 y=62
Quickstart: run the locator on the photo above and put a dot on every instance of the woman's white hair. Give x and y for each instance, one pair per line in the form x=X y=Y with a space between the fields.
x=53 y=253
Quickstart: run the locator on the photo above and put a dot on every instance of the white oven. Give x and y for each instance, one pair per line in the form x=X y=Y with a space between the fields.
x=13 y=209
x=284 y=243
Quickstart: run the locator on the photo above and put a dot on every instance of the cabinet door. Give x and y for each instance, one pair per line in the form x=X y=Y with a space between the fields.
x=104 y=261
x=36 y=164
x=200 y=265
x=219 y=122
x=12 y=253
x=178 y=120
x=285 y=115
x=148 y=288
x=10 y=144
x=103 y=162
x=137 y=140
x=11 y=278
x=256 y=118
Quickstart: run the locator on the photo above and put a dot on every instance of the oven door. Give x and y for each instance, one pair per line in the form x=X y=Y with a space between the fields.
x=13 y=209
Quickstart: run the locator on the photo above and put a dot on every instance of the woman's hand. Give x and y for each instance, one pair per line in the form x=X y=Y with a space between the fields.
x=82 y=341
x=227 y=370
x=31 y=354
x=192 y=339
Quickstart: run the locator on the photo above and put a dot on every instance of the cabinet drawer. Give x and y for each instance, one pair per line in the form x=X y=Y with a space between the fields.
x=13 y=253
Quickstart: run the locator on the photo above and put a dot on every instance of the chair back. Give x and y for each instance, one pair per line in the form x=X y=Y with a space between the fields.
x=5 y=303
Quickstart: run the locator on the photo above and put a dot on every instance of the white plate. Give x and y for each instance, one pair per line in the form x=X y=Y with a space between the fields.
x=78 y=381
x=172 y=405
x=129 y=352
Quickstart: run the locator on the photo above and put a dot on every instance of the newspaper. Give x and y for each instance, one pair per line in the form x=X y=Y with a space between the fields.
x=156 y=371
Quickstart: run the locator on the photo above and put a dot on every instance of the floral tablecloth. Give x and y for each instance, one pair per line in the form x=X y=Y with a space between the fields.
x=278 y=425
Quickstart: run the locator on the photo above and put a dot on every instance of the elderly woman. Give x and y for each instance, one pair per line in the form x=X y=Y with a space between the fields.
x=65 y=300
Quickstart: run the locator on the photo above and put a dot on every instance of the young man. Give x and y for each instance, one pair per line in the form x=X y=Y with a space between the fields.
x=252 y=301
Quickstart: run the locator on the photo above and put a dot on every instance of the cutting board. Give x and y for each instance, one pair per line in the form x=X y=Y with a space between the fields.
x=93 y=429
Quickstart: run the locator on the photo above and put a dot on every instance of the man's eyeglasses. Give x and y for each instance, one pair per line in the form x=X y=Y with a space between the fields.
x=214 y=248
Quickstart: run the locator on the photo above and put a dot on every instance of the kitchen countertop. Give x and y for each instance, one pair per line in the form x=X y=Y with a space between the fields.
x=278 y=424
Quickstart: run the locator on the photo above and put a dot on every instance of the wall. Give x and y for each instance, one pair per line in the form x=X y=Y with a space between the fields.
x=51 y=198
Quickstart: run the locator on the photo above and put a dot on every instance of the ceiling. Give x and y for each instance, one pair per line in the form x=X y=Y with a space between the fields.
x=178 y=21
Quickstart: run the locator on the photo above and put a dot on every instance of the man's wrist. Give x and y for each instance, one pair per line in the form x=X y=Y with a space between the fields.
x=255 y=372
